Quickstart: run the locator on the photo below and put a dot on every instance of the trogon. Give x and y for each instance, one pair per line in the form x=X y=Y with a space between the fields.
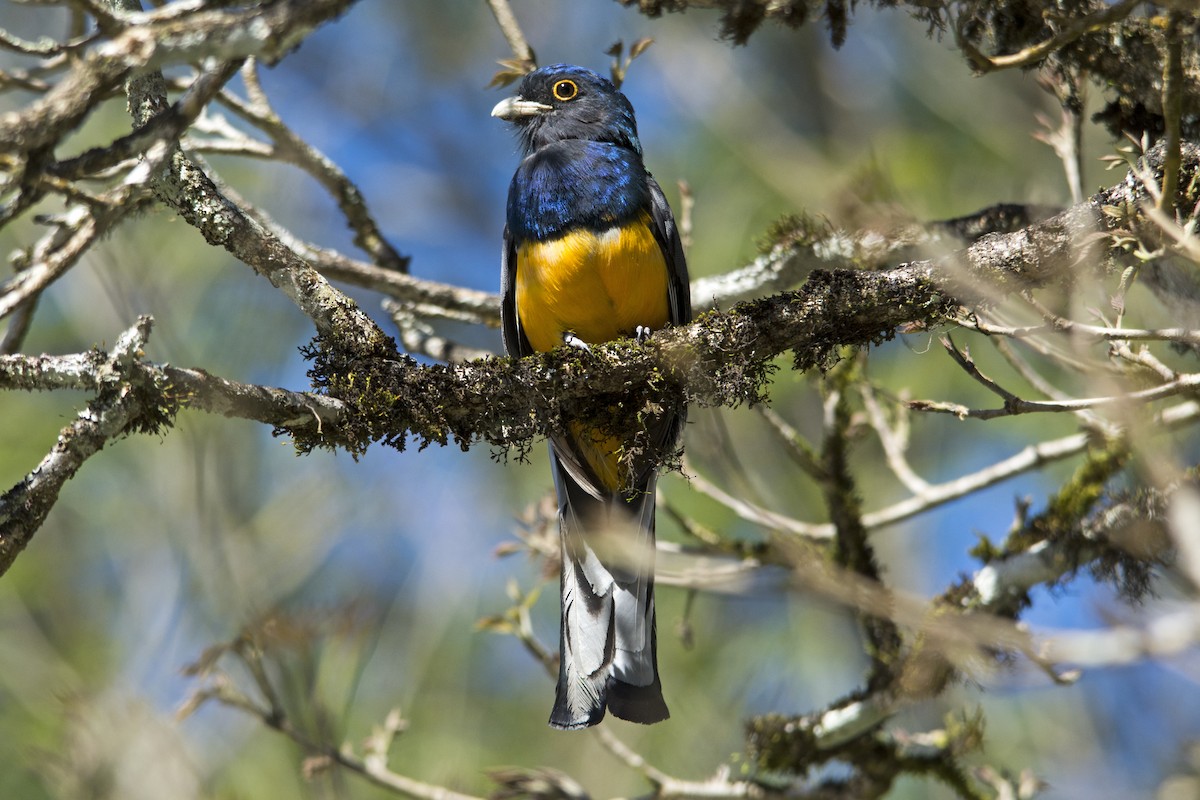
x=591 y=254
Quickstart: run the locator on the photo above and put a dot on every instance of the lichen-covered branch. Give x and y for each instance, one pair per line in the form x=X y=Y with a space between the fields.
x=721 y=359
x=267 y=32
x=132 y=396
x=115 y=412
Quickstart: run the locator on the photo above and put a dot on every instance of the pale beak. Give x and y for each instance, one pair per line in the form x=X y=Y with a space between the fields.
x=514 y=108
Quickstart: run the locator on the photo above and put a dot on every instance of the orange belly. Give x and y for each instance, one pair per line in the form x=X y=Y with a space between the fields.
x=599 y=286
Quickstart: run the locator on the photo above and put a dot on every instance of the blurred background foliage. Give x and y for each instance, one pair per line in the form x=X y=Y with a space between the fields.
x=372 y=573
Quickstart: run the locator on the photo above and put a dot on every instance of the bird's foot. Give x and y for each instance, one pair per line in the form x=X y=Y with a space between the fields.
x=642 y=334
x=571 y=340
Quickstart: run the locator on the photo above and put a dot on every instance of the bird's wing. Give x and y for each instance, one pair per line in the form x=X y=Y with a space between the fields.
x=667 y=232
x=515 y=343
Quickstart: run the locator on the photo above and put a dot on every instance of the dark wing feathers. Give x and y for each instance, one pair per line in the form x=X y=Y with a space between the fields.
x=666 y=231
x=515 y=343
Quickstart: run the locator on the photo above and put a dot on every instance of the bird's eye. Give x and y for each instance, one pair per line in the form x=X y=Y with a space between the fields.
x=565 y=90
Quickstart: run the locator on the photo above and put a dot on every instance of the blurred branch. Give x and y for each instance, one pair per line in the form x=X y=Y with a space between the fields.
x=770 y=520
x=131 y=397
x=291 y=148
x=267 y=32
x=1059 y=325
x=72 y=234
x=1072 y=30
x=507 y=20
x=852 y=547
x=895 y=443
x=1172 y=105
x=1013 y=404
x=418 y=337
x=372 y=766
x=1168 y=634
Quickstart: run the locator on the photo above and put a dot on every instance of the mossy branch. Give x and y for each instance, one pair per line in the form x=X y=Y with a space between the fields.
x=723 y=358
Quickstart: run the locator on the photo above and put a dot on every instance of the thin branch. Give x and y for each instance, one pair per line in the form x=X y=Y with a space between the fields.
x=419 y=338
x=291 y=148
x=801 y=452
x=511 y=29
x=1059 y=324
x=167 y=126
x=44 y=46
x=186 y=187
x=1185 y=238
x=372 y=769
x=1067 y=138
x=24 y=507
x=1015 y=405
x=746 y=510
x=893 y=445
x=1034 y=456
x=1033 y=378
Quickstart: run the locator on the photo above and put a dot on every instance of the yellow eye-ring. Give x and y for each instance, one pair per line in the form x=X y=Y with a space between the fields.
x=565 y=90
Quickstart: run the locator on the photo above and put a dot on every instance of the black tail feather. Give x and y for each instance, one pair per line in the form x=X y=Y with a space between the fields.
x=607 y=638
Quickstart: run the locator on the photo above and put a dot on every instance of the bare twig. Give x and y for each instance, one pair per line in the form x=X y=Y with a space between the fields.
x=1067 y=138
x=893 y=444
x=1058 y=324
x=419 y=338
x=1014 y=405
x=1184 y=384
x=292 y=148
x=371 y=768
x=166 y=127
x=184 y=186
x=759 y=516
x=511 y=29
x=1168 y=634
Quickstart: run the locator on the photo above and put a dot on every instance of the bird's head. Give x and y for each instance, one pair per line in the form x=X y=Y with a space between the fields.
x=567 y=102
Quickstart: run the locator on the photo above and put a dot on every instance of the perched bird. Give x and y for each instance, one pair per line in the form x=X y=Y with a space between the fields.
x=592 y=254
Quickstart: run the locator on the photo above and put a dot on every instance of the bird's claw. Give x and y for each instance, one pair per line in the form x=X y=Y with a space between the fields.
x=571 y=340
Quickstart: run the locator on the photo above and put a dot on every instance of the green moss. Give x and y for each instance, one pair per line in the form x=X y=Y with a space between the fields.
x=778 y=743
x=792 y=231
x=985 y=550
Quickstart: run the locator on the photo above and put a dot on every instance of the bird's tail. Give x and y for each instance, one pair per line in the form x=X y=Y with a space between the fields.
x=608 y=640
